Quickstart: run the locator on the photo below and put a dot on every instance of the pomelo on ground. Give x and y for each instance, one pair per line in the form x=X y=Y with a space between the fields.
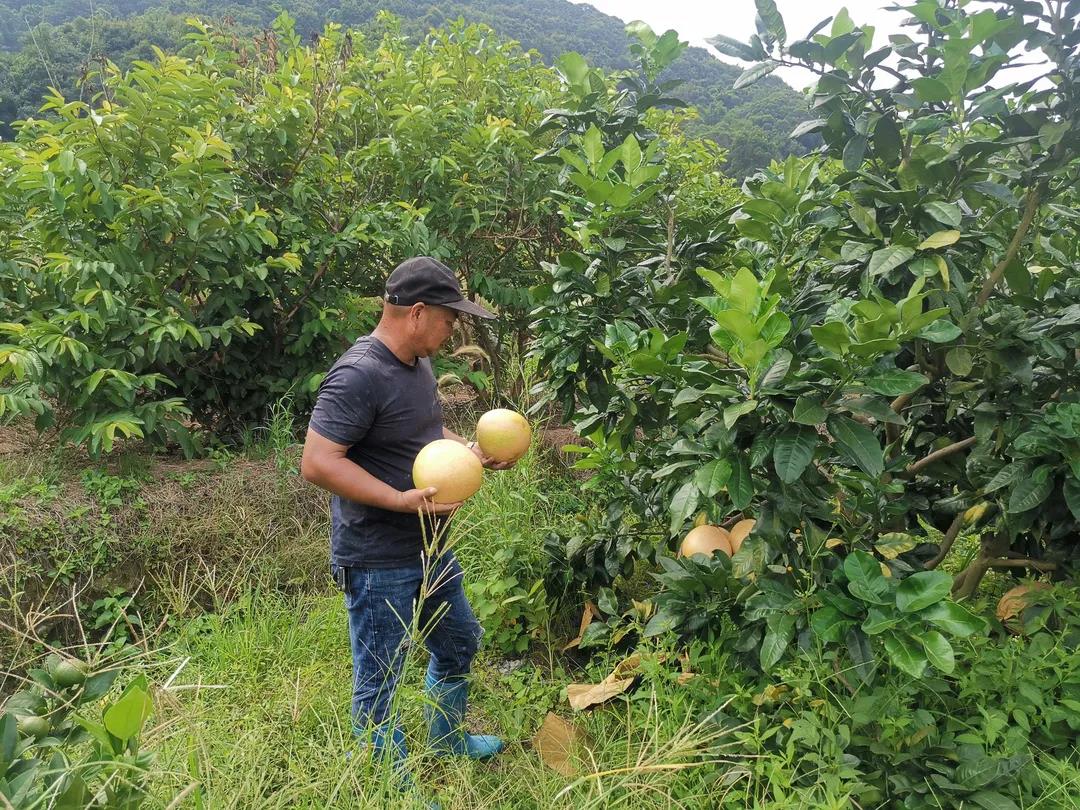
x=739 y=532
x=705 y=540
x=503 y=435
x=449 y=466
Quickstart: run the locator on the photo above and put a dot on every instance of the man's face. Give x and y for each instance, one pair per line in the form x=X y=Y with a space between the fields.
x=434 y=325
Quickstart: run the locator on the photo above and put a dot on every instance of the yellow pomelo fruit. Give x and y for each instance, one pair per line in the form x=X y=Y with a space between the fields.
x=503 y=434
x=449 y=466
x=705 y=540
x=739 y=532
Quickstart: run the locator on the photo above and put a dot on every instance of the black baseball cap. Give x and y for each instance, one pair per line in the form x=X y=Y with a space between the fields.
x=423 y=279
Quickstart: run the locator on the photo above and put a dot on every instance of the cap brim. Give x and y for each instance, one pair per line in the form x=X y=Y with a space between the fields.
x=469 y=308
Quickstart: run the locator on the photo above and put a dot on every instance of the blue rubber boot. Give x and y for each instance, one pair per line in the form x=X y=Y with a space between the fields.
x=445 y=714
x=388 y=744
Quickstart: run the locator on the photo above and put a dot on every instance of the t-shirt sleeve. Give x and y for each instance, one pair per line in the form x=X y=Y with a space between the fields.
x=345 y=407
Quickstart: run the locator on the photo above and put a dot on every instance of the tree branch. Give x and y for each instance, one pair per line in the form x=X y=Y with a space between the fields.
x=937 y=455
x=1022 y=562
x=946 y=542
x=1031 y=206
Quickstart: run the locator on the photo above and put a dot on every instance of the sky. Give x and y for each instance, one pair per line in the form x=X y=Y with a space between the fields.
x=697 y=20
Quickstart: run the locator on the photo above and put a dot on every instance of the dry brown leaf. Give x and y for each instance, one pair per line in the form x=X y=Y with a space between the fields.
x=555 y=743
x=685 y=678
x=584 y=695
x=589 y=613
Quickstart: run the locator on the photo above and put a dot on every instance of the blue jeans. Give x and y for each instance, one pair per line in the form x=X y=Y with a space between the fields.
x=381 y=604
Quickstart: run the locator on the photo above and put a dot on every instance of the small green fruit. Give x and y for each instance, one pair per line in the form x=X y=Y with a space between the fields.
x=69 y=672
x=31 y=725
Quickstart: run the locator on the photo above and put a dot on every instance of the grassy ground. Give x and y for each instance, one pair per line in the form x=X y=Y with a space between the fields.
x=245 y=640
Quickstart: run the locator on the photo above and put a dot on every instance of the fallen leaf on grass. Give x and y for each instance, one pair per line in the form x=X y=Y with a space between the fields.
x=584 y=695
x=555 y=743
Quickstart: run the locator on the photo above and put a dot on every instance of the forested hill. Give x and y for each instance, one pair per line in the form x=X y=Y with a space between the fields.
x=50 y=42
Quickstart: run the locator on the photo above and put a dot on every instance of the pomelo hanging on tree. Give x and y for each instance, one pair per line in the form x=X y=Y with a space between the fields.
x=705 y=540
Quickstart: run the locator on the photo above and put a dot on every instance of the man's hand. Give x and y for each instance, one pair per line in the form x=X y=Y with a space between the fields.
x=488 y=462
x=419 y=500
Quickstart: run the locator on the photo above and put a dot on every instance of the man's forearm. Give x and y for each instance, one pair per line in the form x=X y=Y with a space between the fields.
x=449 y=434
x=351 y=481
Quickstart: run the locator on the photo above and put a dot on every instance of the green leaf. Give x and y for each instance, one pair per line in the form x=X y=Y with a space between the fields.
x=744 y=291
x=854 y=152
x=939 y=240
x=922 y=590
x=992 y=800
x=959 y=361
x=813 y=125
x=733 y=412
x=732 y=47
x=858 y=443
x=905 y=654
x=774 y=23
x=74 y=796
x=663 y=621
x=940 y=331
x=740 y=486
x=929 y=90
x=892 y=544
x=808 y=412
x=630 y=153
x=887 y=140
x=592 y=144
x=954 y=619
x=828 y=624
x=1005 y=476
x=873 y=407
x=938 y=651
x=738 y=323
x=754 y=73
x=878 y=621
x=1071 y=491
x=573 y=66
x=780 y=630
x=1032 y=491
x=945 y=213
x=793 y=451
x=865 y=580
x=9 y=738
x=775 y=374
x=124 y=719
x=683 y=504
x=895 y=381
x=711 y=478
x=888 y=258
x=832 y=336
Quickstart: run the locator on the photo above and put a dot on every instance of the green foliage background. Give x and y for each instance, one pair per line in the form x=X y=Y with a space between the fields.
x=53 y=43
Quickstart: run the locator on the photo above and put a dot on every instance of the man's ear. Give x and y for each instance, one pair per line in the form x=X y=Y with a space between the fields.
x=416 y=311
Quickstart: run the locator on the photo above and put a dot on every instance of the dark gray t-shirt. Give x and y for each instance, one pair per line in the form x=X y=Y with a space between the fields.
x=386 y=411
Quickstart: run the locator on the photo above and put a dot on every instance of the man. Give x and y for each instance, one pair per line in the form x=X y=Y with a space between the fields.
x=376 y=408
